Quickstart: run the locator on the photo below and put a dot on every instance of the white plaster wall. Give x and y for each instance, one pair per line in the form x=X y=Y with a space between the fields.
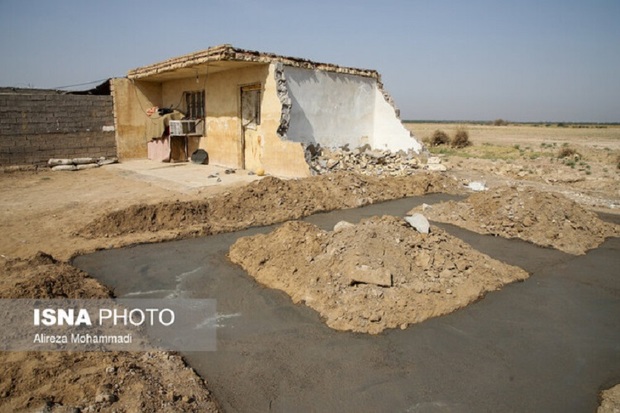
x=334 y=109
x=329 y=108
x=389 y=132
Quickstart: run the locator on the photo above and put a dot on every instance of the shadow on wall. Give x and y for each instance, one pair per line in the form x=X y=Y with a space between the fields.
x=300 y=122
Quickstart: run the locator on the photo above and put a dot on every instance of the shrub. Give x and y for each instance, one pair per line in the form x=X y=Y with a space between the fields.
x=439 y=138
x=461 y=139
x=500 y=122
x=566 y=152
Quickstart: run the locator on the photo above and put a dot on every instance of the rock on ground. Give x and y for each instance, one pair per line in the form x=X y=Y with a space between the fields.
x=545 y=219
x=344 y=274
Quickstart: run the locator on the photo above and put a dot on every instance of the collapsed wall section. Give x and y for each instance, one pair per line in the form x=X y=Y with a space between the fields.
x=339 y=109
x=36 y=125
x=331 y=109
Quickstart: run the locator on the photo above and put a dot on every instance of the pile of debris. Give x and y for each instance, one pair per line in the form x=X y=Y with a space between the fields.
x=78 y=164
x=367 y=161
x=542 y=218
x=379 y=274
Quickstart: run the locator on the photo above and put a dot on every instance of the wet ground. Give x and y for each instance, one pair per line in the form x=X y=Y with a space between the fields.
x=548 y=344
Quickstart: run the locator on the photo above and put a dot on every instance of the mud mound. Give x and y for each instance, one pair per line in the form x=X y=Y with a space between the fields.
x=265 y=202
x=44 y=277
x=610 y=400
x=375 y=275
x=88 y=381
x=100 y=382
x=545 y=219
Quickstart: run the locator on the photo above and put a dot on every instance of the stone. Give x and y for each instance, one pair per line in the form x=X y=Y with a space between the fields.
x=81 y=161
x=419 y=222
x=376 y=154
x=332 y=163
x=81 y=167
x=342 y=225
x=436 y=167
x=64 y=168
x=54 y=162
x=366 y=275
x=105 y=398
x=477 y=186
x=103 y=162
x=433 y=160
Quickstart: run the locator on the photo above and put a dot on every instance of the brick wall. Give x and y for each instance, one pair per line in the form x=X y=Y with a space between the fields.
x=36 y=125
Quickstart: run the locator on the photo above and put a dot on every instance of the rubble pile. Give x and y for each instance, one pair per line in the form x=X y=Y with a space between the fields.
x=378 y=274
x=363 y=160
x=542 y=218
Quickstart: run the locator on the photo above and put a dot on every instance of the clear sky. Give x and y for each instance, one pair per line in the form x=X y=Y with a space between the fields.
x=521 y=60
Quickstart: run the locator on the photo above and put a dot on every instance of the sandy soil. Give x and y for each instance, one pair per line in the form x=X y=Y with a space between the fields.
x=610 y=401
x=64 y=214
x=545 y=219
x=88 y=381
x=378 y=274
x=530 y=155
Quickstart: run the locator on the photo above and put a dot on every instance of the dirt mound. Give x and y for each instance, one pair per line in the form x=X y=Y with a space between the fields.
x=545 y=219
x=375 y=275
x=44 y=277
x=265 y=202
x=88 y=381
x=610 y=400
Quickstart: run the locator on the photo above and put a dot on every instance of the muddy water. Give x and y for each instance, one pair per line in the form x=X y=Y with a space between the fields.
x=548 y=344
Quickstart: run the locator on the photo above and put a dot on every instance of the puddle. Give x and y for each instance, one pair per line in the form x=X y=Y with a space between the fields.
x=546 y=344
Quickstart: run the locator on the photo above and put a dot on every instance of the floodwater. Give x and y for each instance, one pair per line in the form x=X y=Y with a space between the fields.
x=548 y=344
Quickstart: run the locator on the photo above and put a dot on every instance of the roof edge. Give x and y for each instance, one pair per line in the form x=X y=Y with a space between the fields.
x=227 y=52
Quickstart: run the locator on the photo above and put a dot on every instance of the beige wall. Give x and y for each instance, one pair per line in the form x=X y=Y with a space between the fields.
x=133 y=126
x=279 y=157
x=223 y=132
x=263 y=148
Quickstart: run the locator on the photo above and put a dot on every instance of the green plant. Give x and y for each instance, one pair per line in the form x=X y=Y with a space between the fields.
x=439 y=138
x=516 y=146
x=500 y=122
x=461 y=139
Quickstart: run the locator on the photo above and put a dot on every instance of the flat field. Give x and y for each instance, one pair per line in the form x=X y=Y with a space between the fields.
x=595 y=136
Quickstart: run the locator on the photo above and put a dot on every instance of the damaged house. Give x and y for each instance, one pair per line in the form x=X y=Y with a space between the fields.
x=252 y=110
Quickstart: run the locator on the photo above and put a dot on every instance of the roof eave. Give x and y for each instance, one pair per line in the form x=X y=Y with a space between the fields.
x=227 y=52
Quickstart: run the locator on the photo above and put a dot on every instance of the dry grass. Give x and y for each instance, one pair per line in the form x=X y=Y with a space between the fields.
x=461 y=139
x=524 y=135
x=439 y=138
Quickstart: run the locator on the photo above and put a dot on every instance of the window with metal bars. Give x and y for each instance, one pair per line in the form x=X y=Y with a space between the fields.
x=195 y=104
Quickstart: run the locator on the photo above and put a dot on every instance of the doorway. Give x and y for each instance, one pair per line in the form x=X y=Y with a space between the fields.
x=250 y=120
